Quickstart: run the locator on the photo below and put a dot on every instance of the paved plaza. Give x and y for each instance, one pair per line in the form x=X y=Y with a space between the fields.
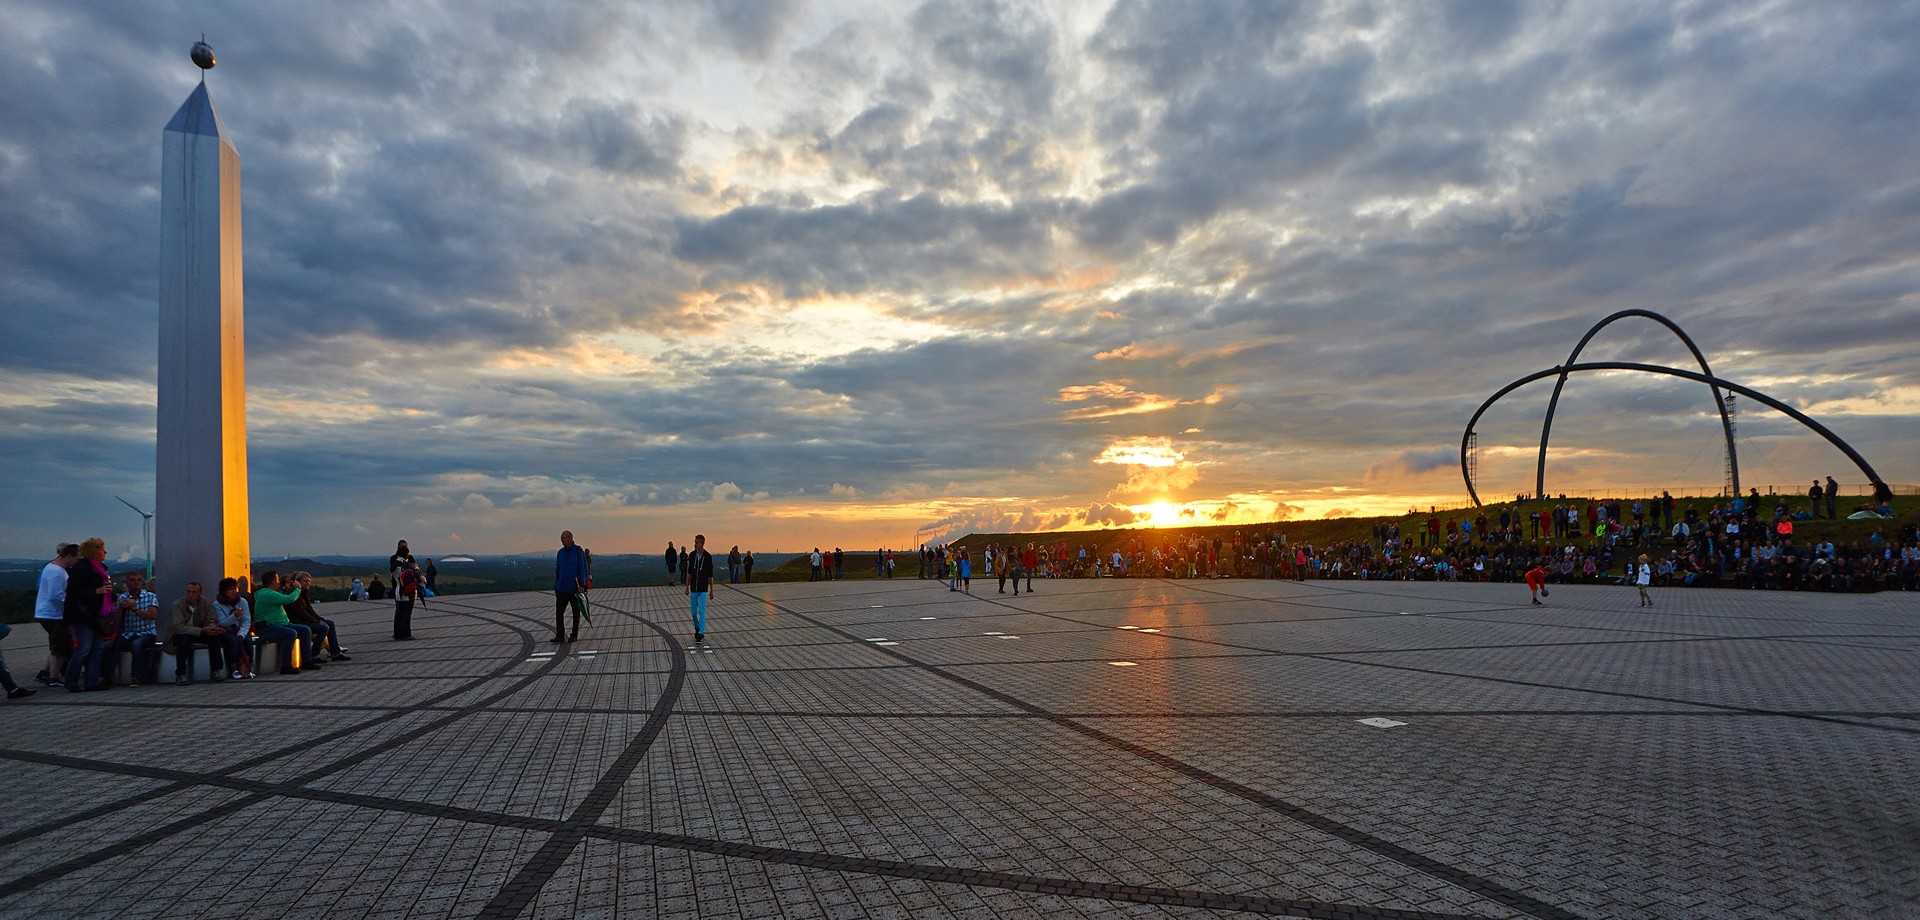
x=1099 y=748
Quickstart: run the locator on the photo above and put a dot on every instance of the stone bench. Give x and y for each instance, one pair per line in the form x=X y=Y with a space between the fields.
x=266 y=661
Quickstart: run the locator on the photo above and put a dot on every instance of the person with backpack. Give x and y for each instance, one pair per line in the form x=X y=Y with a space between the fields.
x=407 y=587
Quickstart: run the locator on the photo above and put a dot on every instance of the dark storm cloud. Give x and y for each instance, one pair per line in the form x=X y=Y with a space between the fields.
x=618 y=138
x=1309 y=237
x=1175 y=43
x=1228 y=141
x=747 y=27
x=1008 y=47
x=1482 y=24
x=876 y=243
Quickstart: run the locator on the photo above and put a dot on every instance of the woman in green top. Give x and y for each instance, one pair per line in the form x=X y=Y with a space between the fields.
x=270 y=621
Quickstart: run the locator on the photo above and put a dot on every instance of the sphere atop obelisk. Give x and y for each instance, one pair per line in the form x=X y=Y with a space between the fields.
x=203 y=55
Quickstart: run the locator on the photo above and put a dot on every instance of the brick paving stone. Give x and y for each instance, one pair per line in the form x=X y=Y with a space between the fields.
x=1726 y=754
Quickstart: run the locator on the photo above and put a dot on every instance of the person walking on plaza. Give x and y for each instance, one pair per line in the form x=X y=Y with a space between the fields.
x=733 y=565
x=746 y=563
x=699 y=585
x=1537 y=582
x=571 y=578
x=49 y=607
x=1643 y=576
x=673 y=564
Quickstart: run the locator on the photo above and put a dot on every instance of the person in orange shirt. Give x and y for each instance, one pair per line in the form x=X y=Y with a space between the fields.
x=1537 y=582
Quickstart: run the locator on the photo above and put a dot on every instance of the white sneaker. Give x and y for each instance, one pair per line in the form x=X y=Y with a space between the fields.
x=237 y=676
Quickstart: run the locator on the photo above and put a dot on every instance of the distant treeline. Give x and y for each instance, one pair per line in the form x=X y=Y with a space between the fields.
x=16 y=606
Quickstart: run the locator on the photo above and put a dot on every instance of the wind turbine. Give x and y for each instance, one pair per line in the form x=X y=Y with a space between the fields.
x=146 y=533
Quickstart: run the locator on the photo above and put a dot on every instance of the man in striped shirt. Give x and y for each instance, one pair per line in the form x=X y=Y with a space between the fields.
x=139 y=633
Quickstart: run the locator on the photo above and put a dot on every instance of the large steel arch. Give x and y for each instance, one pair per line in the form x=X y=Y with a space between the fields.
x=1565 y=369
x=1546 y=426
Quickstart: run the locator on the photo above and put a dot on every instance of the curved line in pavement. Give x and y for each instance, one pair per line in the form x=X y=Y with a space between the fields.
x=53 y=872
x=536 y=872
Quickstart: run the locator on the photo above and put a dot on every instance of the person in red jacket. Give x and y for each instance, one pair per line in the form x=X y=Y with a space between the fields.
x=1537 y=582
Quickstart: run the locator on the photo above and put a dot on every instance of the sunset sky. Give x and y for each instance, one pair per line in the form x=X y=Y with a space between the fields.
x=813 y=273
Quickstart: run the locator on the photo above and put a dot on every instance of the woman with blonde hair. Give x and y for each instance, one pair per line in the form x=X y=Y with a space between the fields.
x=1644 y=577
x=89 y=614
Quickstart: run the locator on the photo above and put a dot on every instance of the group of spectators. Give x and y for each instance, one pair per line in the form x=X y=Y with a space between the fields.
x=826 y=566
x=91 y=623
x=739 y=564
x=1653 y=521
x=1745 y=542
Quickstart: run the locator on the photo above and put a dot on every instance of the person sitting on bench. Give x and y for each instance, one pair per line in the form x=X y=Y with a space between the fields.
x=193 y=621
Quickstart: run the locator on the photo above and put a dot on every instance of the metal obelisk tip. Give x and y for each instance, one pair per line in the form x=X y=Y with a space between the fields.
x=203 y=55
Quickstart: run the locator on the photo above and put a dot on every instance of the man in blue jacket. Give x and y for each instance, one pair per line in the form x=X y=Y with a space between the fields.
x=570 y=579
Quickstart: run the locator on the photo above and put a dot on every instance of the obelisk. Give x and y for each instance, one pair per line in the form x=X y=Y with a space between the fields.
x=201 y=461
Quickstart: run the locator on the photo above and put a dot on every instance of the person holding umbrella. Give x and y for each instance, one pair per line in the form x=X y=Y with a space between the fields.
x=571 y=578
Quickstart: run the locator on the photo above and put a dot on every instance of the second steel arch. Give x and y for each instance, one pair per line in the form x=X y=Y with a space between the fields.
x=1565 y=369
x=1546 y=425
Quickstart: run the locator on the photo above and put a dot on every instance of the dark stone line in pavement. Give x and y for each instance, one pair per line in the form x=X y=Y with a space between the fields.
x=1459 y=877
x=35 y=879
x=553 y=854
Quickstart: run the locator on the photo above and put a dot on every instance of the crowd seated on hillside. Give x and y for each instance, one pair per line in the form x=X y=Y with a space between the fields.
x=1747 y=542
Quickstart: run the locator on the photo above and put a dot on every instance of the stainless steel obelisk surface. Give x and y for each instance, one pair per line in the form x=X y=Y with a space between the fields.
x=201 y=474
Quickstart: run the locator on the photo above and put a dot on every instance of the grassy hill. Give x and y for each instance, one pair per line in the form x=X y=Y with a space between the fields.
x=1337 y=530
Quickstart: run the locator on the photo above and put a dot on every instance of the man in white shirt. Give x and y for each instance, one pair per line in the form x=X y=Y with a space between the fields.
x=49 y=610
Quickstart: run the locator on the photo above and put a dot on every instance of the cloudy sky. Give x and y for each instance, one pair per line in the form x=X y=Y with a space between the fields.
x=799 y=272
